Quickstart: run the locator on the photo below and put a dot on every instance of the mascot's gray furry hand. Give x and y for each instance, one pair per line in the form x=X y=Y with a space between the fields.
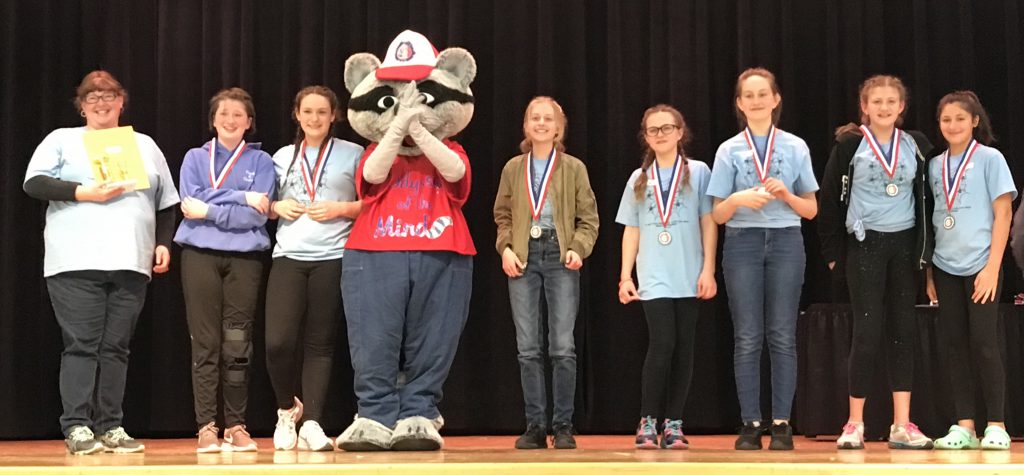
x=378 y=164
x=409 y=102
x=447 y=162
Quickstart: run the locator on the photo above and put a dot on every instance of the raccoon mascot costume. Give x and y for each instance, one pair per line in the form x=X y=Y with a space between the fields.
x=408 y=268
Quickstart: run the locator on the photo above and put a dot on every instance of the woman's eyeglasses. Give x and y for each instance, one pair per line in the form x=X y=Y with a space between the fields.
x=94 y=98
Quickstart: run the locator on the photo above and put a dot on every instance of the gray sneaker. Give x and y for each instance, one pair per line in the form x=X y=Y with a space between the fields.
x=908 y=436
x=80 y=441
x=118 y=441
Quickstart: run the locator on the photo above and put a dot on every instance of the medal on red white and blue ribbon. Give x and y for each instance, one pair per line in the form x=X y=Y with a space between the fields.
x=311 y=177
x=217 y=180
x=951 y=182
x=890 y=168
x=537 y=199
x=762 y=164
x=665 y=205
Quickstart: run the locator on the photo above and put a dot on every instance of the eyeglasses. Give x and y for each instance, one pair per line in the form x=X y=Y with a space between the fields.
x=665 y=130
x=94 y=98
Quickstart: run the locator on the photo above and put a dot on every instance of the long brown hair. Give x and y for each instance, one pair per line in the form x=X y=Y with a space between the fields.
x=879 y=80
x=561 y=124
x=969 y=101
x=640 y=187
x=300 y=135
x=776 y=113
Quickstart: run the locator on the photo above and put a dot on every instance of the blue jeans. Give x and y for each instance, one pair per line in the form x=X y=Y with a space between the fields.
x=561 y=289
x=97 y=311
x=405 y=303
x=764 y=274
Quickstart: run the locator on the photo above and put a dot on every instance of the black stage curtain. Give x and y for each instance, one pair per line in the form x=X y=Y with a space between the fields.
x=604 y=60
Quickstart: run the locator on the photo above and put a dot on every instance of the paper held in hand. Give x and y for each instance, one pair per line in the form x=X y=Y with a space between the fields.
x=115 y=159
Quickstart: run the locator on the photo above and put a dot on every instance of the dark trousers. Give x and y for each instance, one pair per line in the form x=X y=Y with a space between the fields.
x=221 y=291
x=410 y=304
x=970 y=337
x=303 y=310
x=96 y=311
x=883 y=287
x=668 y=367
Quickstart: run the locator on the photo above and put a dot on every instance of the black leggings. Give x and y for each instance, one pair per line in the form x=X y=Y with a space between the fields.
x=668 y=367
x=303 y=311
x=883 y=287
x=969 y=334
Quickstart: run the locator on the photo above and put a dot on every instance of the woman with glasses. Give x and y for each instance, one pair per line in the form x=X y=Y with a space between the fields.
x=547 y=224
x=763 y=185
x=103 y=240
x=225 y=185
x=671 y=238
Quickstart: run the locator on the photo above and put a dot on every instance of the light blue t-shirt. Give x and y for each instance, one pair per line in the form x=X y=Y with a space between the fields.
x=119 y=234
x=964 y=250
x=668 y=271
x=734 y=171
x=871 y=208
x=305 y=239
x=539 y=166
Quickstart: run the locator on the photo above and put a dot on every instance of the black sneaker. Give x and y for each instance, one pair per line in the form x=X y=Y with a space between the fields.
x=563 y=438
x=782 y=437
x=750 y=437
x=535 y=437
x=81 y=441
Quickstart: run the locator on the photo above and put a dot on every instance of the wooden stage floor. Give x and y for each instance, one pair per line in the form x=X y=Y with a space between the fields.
x=494 y=455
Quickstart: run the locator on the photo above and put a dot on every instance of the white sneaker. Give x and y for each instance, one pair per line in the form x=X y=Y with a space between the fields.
x=853 y=436
x=312 y=438
x=284 y=432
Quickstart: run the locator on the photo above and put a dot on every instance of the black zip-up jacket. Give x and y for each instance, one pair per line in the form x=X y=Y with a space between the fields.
x=834 y=197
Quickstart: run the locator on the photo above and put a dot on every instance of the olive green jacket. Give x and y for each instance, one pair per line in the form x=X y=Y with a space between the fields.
x=573 y=207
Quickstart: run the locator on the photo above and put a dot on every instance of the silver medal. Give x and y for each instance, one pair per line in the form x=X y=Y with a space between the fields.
x=664 y=238
x=892 y=190
x=948 y=222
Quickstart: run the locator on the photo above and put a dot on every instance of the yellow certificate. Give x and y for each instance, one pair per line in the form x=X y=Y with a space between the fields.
x=115 y=159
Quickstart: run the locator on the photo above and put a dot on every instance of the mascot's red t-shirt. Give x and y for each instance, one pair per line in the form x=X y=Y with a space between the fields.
x=414 y=209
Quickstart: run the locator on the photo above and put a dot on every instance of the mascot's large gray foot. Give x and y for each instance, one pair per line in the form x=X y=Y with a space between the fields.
x=365 y=435
x=417 y=433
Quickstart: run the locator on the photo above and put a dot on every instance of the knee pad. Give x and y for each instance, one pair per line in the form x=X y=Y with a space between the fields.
x=236 y=350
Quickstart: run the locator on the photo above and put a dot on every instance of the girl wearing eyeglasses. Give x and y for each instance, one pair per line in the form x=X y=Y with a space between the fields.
x=225 y=188
x=547 y=224
x=763 y=185
x=671 y=238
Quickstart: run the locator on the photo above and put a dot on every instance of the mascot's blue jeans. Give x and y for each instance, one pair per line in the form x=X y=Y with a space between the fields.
x=411 y=304
x=544 y=274
x=764 y=273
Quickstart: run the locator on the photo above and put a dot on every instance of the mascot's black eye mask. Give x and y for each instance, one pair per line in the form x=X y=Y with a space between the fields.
x=382 y=98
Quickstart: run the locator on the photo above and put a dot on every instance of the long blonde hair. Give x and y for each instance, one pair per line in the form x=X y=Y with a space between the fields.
x=561 y=124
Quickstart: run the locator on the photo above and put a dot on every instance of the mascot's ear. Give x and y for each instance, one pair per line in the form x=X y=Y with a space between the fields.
x=357 y=67
x=459 y=63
